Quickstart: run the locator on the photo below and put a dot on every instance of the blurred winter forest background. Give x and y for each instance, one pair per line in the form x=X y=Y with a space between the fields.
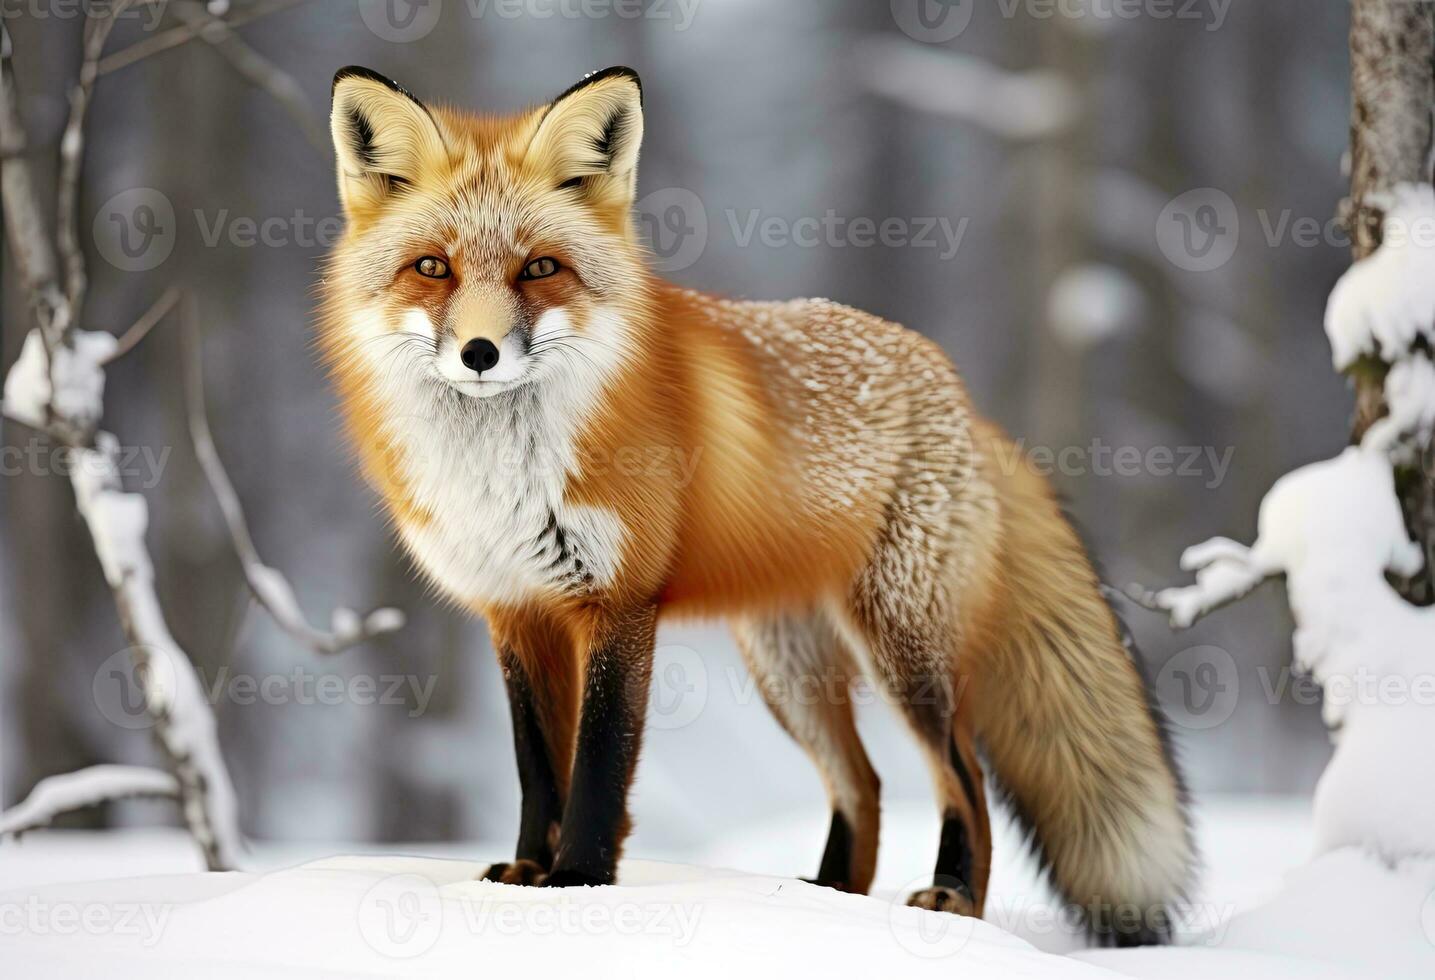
x=1028 y=170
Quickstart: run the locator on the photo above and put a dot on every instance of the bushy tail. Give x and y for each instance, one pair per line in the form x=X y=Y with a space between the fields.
x=1077 y=744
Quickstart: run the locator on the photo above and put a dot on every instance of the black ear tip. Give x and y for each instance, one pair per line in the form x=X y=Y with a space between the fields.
x=359 y=71
x=617 y=71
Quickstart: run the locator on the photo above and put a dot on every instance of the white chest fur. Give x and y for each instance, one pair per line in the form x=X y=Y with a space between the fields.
x=490 y=477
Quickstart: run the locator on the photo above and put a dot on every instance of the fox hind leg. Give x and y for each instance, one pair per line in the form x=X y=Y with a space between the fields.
x=899 y=612
x=804 y=672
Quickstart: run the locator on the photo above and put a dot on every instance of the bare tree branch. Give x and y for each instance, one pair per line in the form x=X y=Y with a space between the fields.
x=98 y=26
x=177 y=36
x=270 y=588
x=25 y=225
x=140 y=329
x=258 y=69
x=56 y=795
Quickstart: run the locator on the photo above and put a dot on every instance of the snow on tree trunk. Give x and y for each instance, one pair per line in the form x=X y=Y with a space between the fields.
x=1340 y=531
x=1392 y=55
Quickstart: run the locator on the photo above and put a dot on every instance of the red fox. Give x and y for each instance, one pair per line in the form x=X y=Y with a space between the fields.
x=573 y=449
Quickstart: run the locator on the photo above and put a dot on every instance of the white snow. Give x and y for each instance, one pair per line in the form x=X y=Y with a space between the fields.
x=1410 y=396
x=1385 y=301
x=1345 y=915
x=1334 y=529
x=1092 y=302
x=86 y=787
x=77 y=379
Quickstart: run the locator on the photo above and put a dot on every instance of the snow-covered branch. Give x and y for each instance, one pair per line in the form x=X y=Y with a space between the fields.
x=1225 y=573
x=83 y=788
x=57 y=387
x=269 y=586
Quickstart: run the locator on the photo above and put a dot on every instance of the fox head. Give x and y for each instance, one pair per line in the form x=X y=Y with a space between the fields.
x=483 y=254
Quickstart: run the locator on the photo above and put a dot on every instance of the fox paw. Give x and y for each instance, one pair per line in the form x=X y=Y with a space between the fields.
x=519 y=872
x=569 y=879
x=943 y=899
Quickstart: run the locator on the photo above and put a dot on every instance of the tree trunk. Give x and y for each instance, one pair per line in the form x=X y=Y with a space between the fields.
x=1392 y=62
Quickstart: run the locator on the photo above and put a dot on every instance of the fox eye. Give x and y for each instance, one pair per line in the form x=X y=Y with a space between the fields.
x=432 y=267
x=539 y=268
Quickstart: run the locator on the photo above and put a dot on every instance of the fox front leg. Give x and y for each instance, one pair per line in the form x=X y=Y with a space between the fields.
x=617 y=671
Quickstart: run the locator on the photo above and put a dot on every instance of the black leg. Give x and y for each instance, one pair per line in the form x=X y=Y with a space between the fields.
x=610 y=728
x=542 y=806
x=836 y=868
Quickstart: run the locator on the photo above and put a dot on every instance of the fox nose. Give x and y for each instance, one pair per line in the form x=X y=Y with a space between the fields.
x=479 y=355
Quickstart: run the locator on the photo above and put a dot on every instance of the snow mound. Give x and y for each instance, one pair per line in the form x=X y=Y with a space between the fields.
x=407 y=916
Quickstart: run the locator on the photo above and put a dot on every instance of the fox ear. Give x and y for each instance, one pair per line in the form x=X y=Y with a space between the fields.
x=591 y=134
x=384 y=139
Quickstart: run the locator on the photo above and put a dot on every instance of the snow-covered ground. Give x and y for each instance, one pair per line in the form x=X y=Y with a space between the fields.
x=134 y=904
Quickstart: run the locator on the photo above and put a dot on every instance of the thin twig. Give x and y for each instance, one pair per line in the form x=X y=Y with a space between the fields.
x=72 y=153
x=258 y=69
x=269 y=587
x=140 y=329
x=176 y=36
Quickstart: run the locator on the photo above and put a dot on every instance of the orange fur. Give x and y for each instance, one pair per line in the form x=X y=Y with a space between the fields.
x=811 y=471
